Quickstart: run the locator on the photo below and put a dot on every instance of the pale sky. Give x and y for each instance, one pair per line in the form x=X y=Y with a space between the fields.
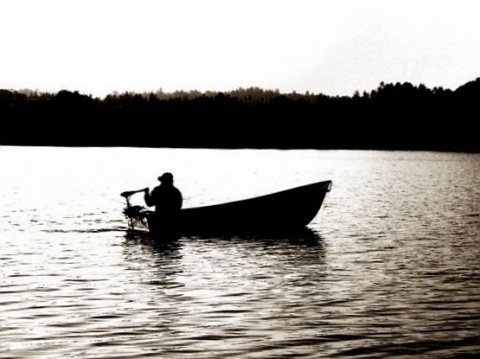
x=332 y=47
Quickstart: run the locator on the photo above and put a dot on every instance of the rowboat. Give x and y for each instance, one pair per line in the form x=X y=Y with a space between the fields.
x=287 y=210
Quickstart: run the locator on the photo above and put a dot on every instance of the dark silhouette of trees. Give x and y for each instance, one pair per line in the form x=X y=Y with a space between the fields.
x=393 y=116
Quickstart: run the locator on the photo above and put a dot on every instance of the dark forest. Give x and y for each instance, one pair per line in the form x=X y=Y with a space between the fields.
x=398 y=116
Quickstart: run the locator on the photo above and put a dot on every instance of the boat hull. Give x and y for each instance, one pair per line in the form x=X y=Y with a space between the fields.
x=287 y=210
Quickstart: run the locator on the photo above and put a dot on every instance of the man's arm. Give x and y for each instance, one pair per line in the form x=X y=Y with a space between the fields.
x=148 y=198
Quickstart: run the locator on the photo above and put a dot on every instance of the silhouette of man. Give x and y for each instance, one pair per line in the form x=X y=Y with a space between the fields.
x=166 y=198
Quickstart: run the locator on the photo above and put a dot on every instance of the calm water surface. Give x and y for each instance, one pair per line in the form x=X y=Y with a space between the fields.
x=390 y=267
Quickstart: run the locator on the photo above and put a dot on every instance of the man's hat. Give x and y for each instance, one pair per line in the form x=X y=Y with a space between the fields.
x=166 y=177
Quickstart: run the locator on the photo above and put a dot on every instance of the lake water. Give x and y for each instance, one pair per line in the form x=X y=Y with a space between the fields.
x=391 y=268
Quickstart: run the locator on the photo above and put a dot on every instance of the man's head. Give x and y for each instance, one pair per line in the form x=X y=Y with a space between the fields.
x=167 y=177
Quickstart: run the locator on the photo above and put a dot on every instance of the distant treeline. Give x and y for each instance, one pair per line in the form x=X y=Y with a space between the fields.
x=393 y=116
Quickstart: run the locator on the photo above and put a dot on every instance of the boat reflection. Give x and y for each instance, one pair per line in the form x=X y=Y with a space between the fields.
x=173 y=263
x=306 y=236
x=303 y=236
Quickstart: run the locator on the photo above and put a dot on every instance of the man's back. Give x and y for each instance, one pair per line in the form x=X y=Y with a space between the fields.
x=167 y=199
